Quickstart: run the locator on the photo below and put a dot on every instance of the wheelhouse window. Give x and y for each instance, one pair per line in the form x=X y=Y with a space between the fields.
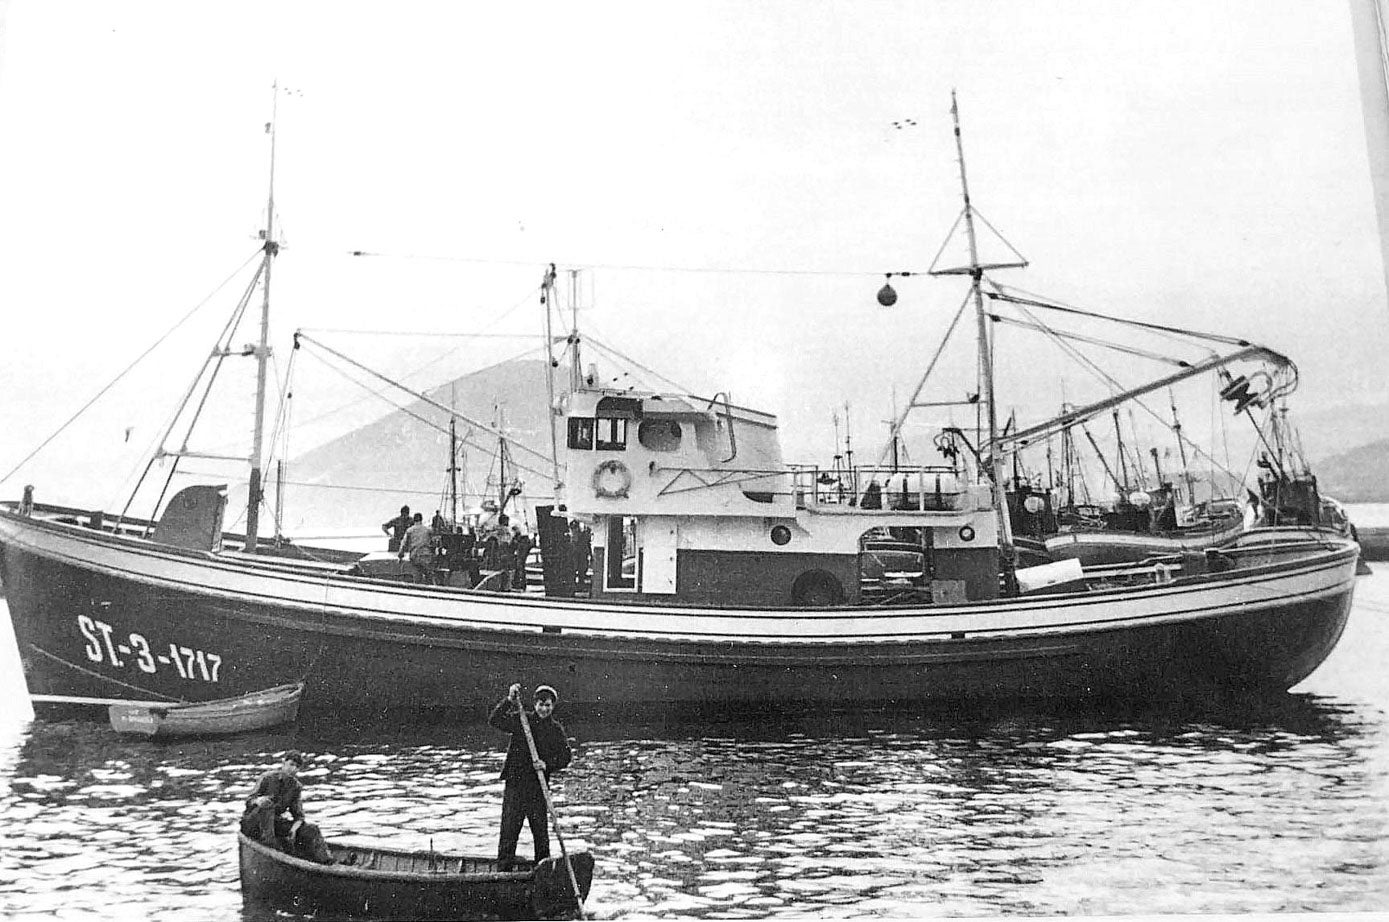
x=612 y=434
x=581 y=433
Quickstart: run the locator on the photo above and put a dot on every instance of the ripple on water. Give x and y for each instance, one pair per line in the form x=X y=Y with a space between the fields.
x=1284 y=811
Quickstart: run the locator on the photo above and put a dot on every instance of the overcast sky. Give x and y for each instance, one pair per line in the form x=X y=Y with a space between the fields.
x=1185 y=162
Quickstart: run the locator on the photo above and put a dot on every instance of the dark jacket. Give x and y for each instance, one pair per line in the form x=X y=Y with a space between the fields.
x=551 y=744
x=283 y=789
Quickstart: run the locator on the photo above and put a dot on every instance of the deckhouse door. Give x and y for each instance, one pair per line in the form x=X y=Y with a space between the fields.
x=658 y=556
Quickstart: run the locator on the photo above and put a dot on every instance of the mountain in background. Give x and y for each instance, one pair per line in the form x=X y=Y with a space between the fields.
x=1360 y=475
x=1327 y=432
x=361 y=479
x=1348 y=449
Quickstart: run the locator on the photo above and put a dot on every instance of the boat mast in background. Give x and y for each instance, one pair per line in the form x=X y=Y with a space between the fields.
x=1369 y=20
x=1181 y=448
x=270 y=249
x=453 y=455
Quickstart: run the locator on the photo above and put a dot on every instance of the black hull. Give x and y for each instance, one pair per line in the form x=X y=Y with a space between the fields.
x=82 y=632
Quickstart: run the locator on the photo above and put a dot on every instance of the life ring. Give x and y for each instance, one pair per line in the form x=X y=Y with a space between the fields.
x=612 y=479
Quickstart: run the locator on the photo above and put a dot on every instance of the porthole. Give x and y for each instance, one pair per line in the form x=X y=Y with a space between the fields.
x=781 y=535
x=967 y=533
x=659 y=434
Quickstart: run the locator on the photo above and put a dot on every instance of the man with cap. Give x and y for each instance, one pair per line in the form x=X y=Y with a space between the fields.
x=278 y=793
x=396 y=529
x=523 y=798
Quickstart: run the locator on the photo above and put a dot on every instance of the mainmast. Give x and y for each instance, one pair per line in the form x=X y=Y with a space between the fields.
x=976 y=273
x=270 y=248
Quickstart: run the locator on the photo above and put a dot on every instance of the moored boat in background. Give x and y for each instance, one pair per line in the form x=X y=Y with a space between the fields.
x=260 y=710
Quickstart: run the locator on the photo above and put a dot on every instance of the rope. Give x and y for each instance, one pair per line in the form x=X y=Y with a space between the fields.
x=141 y=357
x=613 y=353
x=1001 y=295
x=632 y=267
x=97 y=675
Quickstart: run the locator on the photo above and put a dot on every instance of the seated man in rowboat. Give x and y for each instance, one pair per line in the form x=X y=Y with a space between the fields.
x=278 y=793
x=523 y=798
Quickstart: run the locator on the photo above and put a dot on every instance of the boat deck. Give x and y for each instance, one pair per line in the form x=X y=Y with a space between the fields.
x=387 y=861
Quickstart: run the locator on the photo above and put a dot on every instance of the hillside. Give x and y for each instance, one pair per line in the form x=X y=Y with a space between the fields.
x=1328 y=432
x=1360 y=475
x=361 y=479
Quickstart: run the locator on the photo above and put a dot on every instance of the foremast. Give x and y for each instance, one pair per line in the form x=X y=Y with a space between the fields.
x=269 y=249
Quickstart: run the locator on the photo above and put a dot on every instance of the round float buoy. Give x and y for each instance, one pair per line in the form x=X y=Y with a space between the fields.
x=887 y=295
x=612 y=479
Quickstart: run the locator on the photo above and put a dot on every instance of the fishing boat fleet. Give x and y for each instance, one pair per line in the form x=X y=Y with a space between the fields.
x=722 y=574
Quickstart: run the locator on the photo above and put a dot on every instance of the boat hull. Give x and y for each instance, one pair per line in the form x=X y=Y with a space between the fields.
x=1102 y=548
x=273 y=707
x=98 y=616
x=385 y=884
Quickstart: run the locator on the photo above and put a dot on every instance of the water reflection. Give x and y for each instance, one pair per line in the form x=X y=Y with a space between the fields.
x=1270 y=809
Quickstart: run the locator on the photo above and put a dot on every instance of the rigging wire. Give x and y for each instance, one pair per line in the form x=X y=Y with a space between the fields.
x=1003 y=295
x=416 y=333
x=634 y=267
x=614 y=354
x=420 y=396
x=1116 y=386
x=112 y=383
x=380 y=393
x=228 y=329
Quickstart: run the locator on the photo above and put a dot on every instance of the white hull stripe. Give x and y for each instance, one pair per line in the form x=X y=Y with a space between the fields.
x=278 y=585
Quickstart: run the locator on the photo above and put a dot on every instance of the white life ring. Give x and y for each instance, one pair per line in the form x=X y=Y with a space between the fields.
x=612 y=479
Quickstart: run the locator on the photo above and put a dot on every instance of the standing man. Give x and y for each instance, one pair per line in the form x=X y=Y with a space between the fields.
x=418 y=544
x=521 y=544
x=396 y=528
x=523 y=798
x=581 y=542
x=278 y=793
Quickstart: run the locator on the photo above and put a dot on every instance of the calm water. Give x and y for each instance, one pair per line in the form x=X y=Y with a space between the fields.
x=1277 y=809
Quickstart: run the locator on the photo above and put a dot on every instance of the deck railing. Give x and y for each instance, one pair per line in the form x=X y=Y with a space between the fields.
x=915 y=489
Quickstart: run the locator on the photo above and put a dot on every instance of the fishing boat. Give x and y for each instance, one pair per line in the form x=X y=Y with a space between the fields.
x=722 y=575
x=1375 y=541
x=380 y=883
x=260 y=710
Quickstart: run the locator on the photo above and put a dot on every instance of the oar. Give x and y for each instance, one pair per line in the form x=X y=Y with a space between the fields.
x=550 y=805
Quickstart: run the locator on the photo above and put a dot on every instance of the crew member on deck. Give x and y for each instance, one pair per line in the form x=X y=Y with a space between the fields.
x=418 y=543
x=523 y=798
x=278 y=793
x=581 y=545
x=396 y=528
x=521 y=545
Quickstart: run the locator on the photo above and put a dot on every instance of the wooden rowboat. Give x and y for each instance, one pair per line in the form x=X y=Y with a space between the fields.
x=255 y=711
x=379 y=883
